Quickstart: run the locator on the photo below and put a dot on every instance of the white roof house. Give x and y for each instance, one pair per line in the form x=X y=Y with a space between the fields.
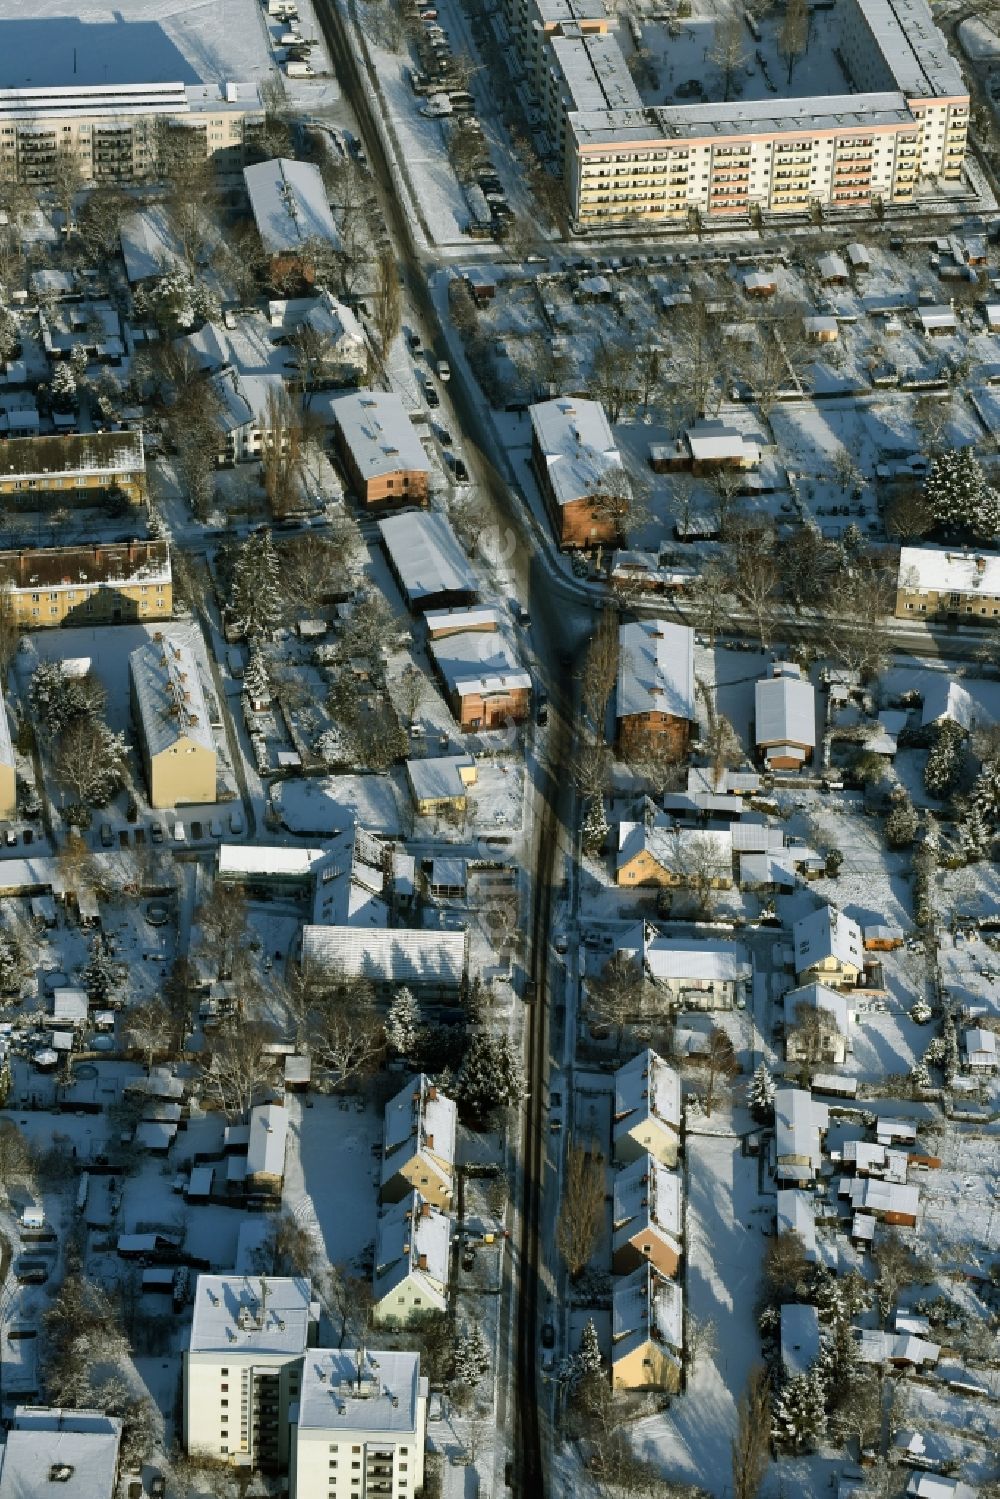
x=894 y=1201
x=150 y=247
x=820 y=997
x=797 y=1215
x=875 y=1346
x=799 y=1338
x=420 y=1121
x=648 y=1201
x=375 y=426
x=251 y=1314
x=289 y=204
x=427 y=557
x=800 y=1122
x=785 y=712
x=937 y=570
x=655 y=669
x=680 y=852
x=398 y=956
x=479 y=662
x=441 y=778
x=647 y=1107
x=577 y=447
x=646 y=1307
x=168 y=692
x=832 y=267
x=73 y=1453
x=716 y=442
x=944 y=698
x=672 y=959
x=827 y=938
x=268 y=1139
x=939 y=318
x=245 y=399
x=980 y=1049
x=412 y=1248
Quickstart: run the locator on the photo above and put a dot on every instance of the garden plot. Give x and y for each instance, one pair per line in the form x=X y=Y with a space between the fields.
x=873 y=884
x=332 y=1175
x=960 y=1203
x=969 y=972
x=960 y=1432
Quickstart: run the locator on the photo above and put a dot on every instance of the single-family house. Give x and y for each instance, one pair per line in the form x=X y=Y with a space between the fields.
x=885 y=1201
x=980 y=1049
x=412 y=1251
x=716 y=445
x=797 y=1215
x=655 y=696
x=785 y=718
x=827 y=1040
x=662 y=854
x=709 y=975
x=482 y=675
x=647 y=1331
x=266 y=1149
x=418 y=1152
x=433 y=963
x=580 y=471
x=828 y=948
x=245 y=406
x=383 y=455
x=441 y=784
x=171 y=714
x=832 y=269
x=647 y=1217
x=800 y=1123
x=647 y=1110
x=904 y=1350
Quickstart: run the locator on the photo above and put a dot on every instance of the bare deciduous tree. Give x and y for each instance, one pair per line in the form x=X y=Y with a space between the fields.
x=620 y=993
x=728 y=50
x=238 y=1070
x=281 y=453
x=223 y=922
x=581 y=1207
x=600 y=668
x=751 y=1444
x=612 y=379
x=387 y=303
x=785 y=1265
x=793 y=38
x=720 y=1064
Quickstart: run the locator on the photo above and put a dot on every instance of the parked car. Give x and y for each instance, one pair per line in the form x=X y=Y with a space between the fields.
x=461 y=472
x=156 y=832
x=236 y=824
x=443 y=370
x=107 y=835
x=548 y=1335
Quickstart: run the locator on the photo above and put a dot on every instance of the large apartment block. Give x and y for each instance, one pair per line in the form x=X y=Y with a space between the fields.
x=625 y=161
x=124 y=582
x=88 y=87
x=82 y=468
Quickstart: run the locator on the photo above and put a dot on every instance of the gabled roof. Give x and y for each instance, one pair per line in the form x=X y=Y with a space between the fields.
x=289 y=205
x=427 y=556
x=799 y=1120
x=419 y=1119
x=169 y=695
x=944 y=698
x=401 y=955
x=577 y=445
x=412 y=1244
x=655 y=669
x=646 y=1088
x=646 y=1307
x=820 y=997
x=827 y=933
x=797 y=1215
x=785 y=711
x=268 y=1137
x=677 y=958
x=677 y=850
x=648 y=1201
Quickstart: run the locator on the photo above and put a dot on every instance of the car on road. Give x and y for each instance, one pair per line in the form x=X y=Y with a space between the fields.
x=431 y=396
x=561 y=945
x=215 y=827
x=443 y=371
x=236 y=824
x=107 y=835
x=444 y=437
x=461 y=472
x=414 y=341
x=156 y=832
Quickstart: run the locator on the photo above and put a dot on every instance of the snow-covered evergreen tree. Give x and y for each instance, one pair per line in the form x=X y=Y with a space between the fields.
x=961 y=501
x=489 y=1076
x=946 y=758
x=177 y=301
x=99 y=976
x=257 y=678
x=11 y=964
x=920 y=1077
x=62 y=388
x=255 y=599
x=471 y=1358
x=921 y=1012
x=760 y=1094
x=78 y=363
x=985 y=792
x=588 y=1356
x=402 y=1026
x=798 y=1412
x=901 y=824
x=10 y=336
x=55 y=699
x=595 y=826
x=975 y=836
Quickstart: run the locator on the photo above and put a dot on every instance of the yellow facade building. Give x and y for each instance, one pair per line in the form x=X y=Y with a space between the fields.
x=171 y=715
x=8 y=770
x=80 y=468
x=122 y=583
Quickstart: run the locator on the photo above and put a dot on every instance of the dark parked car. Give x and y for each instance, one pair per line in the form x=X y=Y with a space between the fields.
x=461 y=472
x=548 y=1335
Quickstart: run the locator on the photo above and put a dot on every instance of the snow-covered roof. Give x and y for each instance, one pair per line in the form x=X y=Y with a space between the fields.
x=169 y=694
x=799 y=1338
x=925 y=1485
x=826 y=933
x=756 y=837
x=419 y=1114
x=980 y=1047
x=785 y=709
x=399 y=956
x=251 y=1314
x=470 y=617
x=245 y=398
x=799 y=1121
x=479 y=662
x=376 y=427
x=875 y=1158
x=715 y=442
x=74 y=1452
x=820 y=997
x=427 y=556
x=873 y=1194
x=70 y=1004
x=875 y=1346
x=648 y=1200
x=268 y=1138
x=289 y=205
x=350 y=881
x=937 y=318
x=678 y=851
x=776 y=867
x=797 y=1215
x=858 y=255
x=440 y=778
x=937 y=570
x=646 y=1306
x=675 y=958
x=149 y=245
x=944 y=698
x=655 y=669
x=238 y=861
x=412 y=1243
x=577 y=446
x=646 y=1087
x=360 y=1391
x=832 y=267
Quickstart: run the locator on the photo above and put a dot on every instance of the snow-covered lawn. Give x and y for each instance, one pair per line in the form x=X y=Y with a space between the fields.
x=325 y=804
x=331 y=1175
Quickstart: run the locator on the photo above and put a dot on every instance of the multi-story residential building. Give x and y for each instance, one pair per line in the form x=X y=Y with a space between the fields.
x=419 y=1144
x=8 y=768
x=74 y=1453
x=828 y=948
x=79 y=469
x=959 y=587
x=380 y=448
x=86 y=87
x=243 y=1366
x=480 y=670
x=291 y=209
x=171 y=715
x=118 y=583
x=360 y=1426
x=580 y=471
x=412 y=1254
x=247 y=406
x=655 y=701
x=625 y=161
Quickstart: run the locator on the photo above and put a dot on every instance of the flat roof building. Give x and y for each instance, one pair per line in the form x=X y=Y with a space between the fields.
x=359 y=1426
x=963 y=587
x=73 y=1452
